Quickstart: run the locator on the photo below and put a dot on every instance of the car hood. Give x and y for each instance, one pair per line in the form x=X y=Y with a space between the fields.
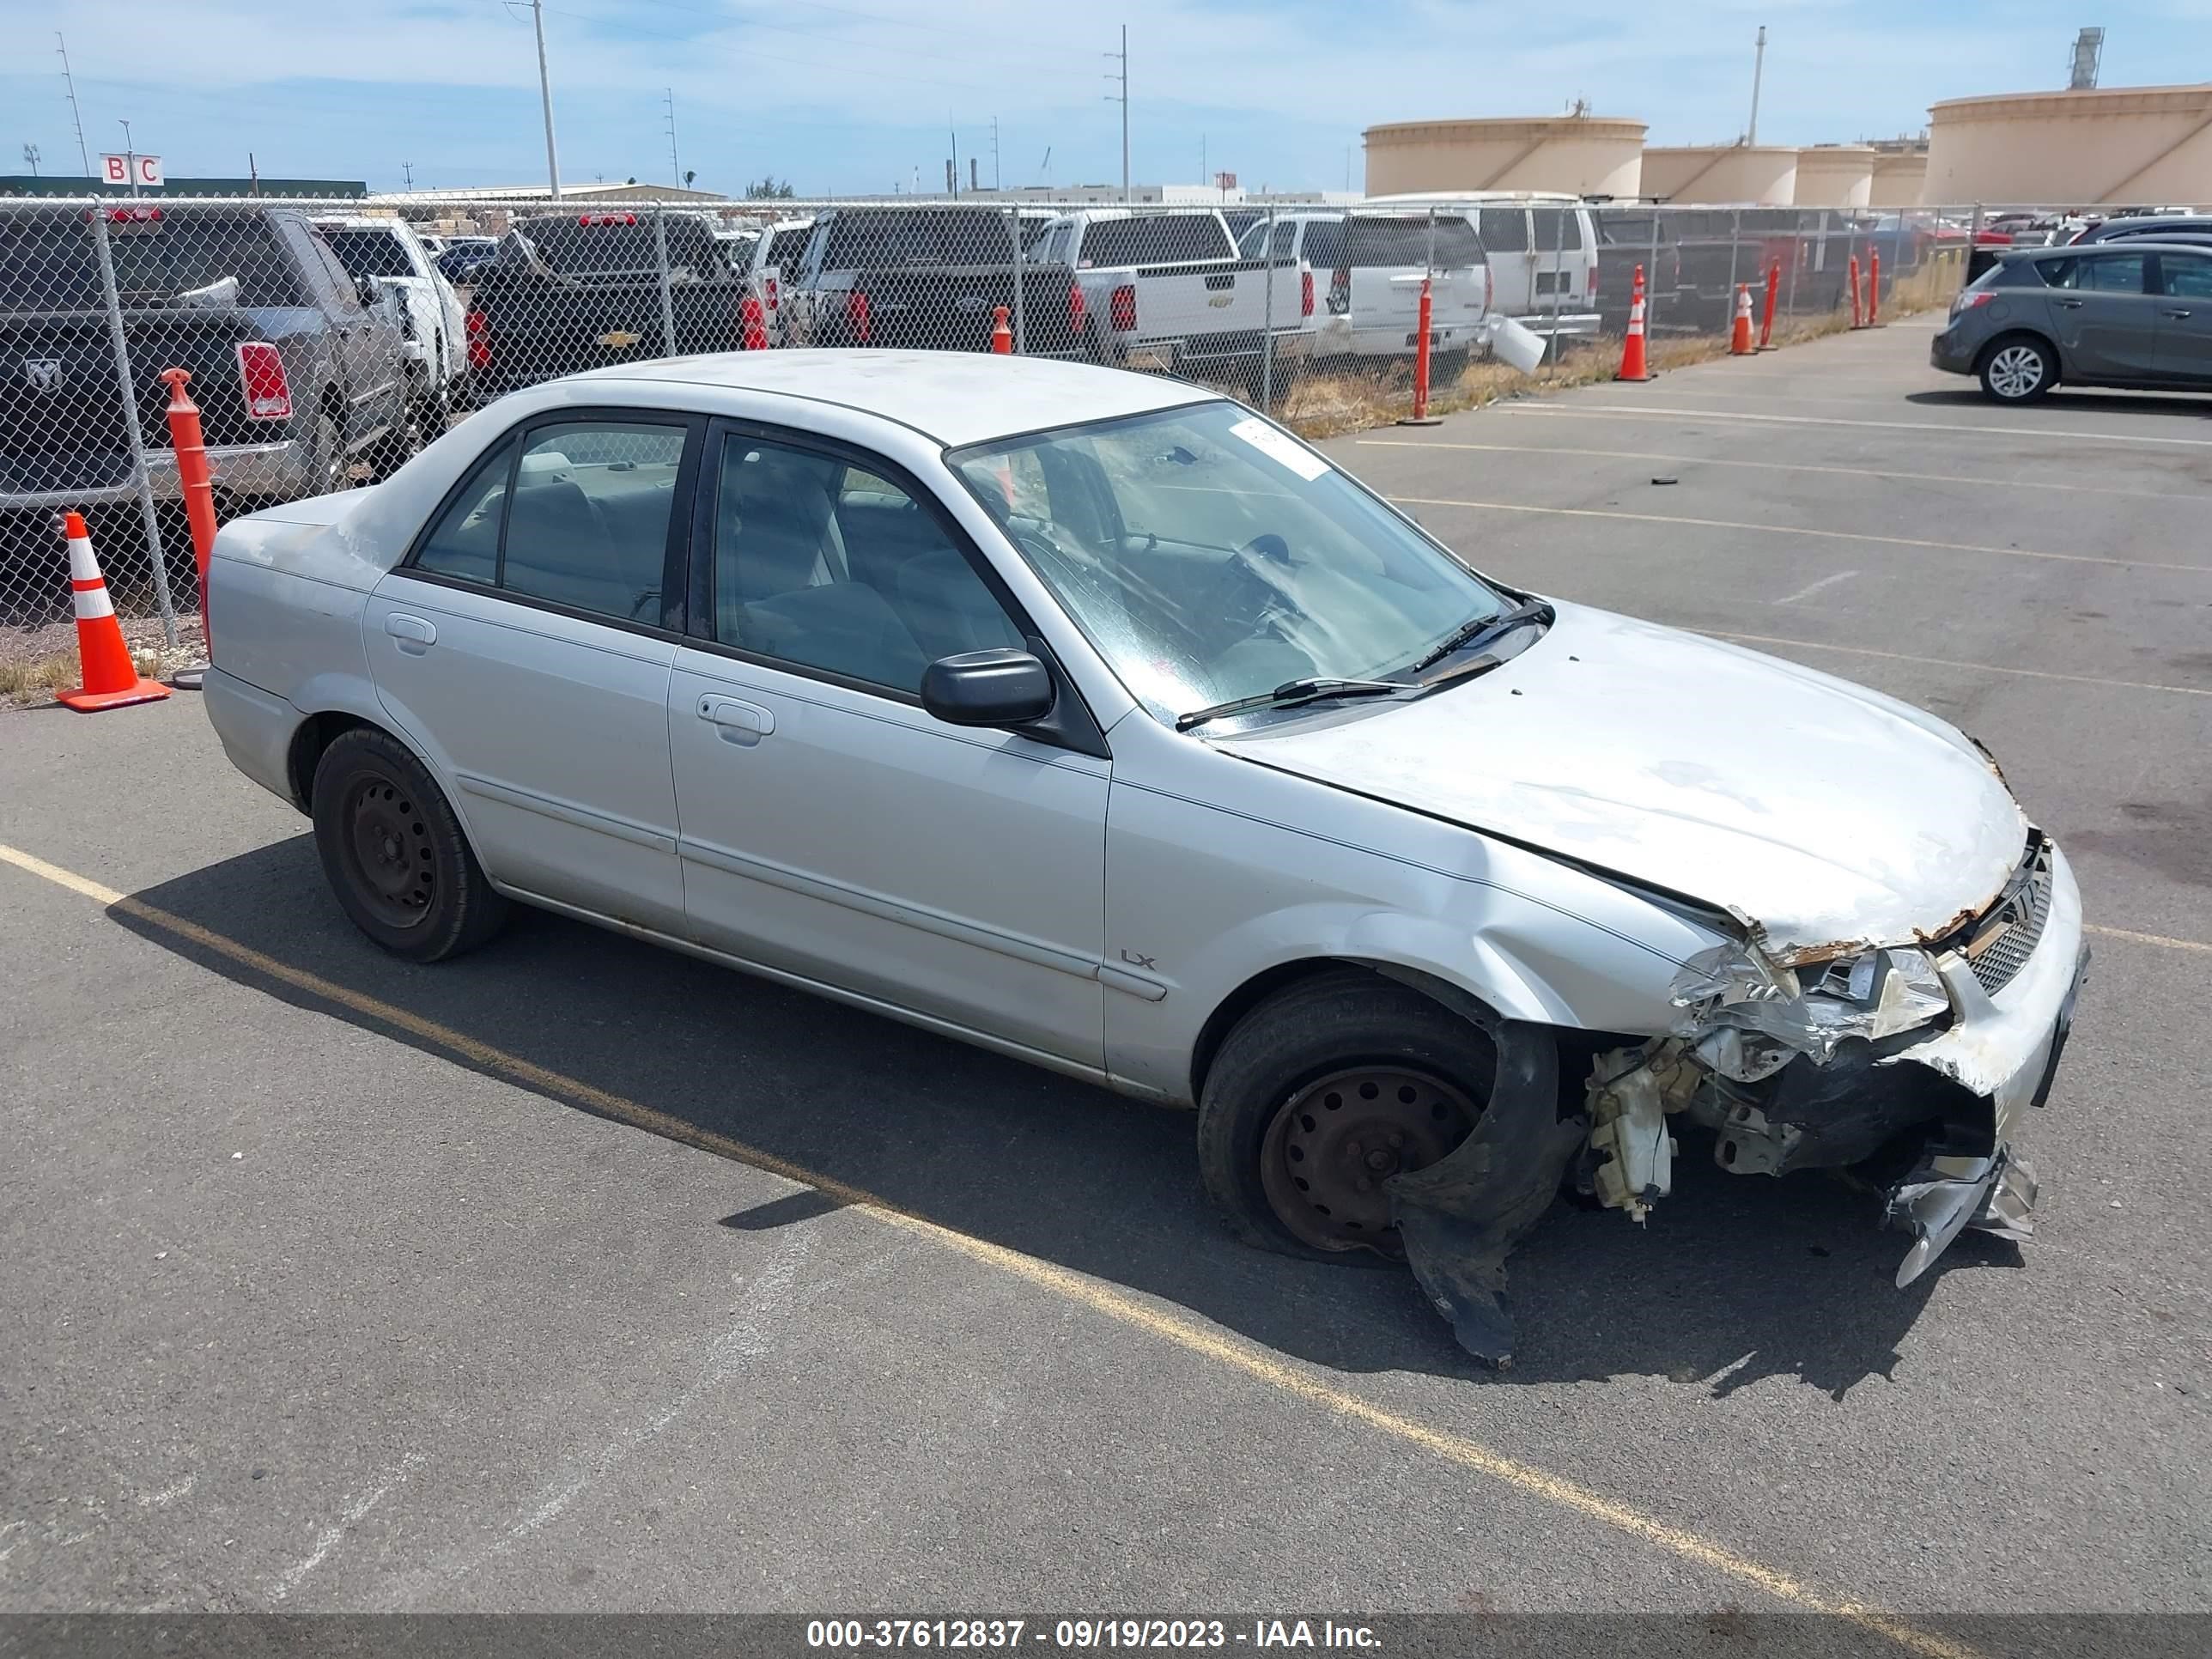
x=1825 y=814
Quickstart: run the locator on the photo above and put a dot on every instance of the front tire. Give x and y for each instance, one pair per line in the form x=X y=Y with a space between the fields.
x=1320 y=1095
x=394 y=853
x=2018 y=369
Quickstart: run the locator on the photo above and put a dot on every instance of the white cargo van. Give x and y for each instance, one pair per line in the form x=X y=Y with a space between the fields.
x=1542 y=249
x=1371 y=266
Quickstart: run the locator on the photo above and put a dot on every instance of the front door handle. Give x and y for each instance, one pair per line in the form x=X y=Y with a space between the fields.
x=2184 y=311
x=742 y=723
x=415 y=636
x=2071 y=305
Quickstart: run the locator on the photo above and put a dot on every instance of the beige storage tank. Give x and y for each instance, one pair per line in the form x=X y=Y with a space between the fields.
x=1742 y=175
x=1835 y=175
x=1581 y=154
x=1899 y=173
x=2112 y=144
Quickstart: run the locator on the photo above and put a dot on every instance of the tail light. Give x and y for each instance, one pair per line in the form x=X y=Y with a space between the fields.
x=856 y=314
x=479 y=332
x=1122 y=309
x=771 y=294
x=1340 y=291
x=1077 y=312
x=1591 y=282
x=606 y=218
x=261 y=372
x=1306 y=292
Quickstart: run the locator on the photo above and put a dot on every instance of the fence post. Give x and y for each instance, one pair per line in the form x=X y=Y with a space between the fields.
x=1735 y=256
x=1651 y=283
x=1797 y=259
x=1973 y=241
x=668 y=346
x=1267 y=324
x=113 y=299
x=1021 y=309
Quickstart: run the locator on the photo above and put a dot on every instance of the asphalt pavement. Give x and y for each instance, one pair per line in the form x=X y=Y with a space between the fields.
x=579 y=1275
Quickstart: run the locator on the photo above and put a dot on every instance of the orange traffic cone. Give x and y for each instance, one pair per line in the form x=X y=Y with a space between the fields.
x=111 y=679
x=752 y=325
x=1740 y=344
x=1002 y=338
x=1634 y=364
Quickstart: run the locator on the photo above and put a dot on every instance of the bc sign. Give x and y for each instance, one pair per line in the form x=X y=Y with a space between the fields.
x=131 y=169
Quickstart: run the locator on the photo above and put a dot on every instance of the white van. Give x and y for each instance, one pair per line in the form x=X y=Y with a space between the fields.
x=1373 y=265
x=1543 y=248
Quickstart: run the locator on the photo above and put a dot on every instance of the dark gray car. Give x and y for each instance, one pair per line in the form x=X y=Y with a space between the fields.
x=2134 y=314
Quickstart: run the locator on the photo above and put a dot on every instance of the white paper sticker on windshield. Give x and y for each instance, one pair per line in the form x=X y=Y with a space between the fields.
x=1277 y=447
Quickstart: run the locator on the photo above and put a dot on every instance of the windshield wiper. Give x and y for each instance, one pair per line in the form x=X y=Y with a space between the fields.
x=1291 y=693
x=1488 y=630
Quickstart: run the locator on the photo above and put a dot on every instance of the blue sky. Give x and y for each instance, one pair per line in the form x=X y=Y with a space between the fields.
x=849 y=97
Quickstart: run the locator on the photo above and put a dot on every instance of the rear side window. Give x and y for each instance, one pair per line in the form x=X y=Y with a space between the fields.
x=1557 y=229
x=1376 y=241
x=464 y=542
x=2107 y=273
x=1323 y=247
x=1505 y=230
x=2187 y=275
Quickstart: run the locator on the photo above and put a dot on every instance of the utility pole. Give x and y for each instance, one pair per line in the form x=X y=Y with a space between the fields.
x=76 y=114
x=31 y=156
x=1122 y=98
x=130 y=157
x=407 y=173
x=545 y=96
x=674 y=166
x=997 y=182
x=1758 y=73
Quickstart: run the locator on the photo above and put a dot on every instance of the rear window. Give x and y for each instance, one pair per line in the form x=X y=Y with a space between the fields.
x=48 y=261
x=369 y=252
x=1557 y=229
x=786 y=246
x=1155 y=238
x=860 y=242
x=599 y=248
x=1395 y=241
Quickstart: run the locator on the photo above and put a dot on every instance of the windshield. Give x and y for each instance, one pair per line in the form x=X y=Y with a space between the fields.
x=1210 y=556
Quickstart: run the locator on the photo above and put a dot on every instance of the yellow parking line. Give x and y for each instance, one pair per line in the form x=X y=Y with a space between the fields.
x=1791 y=467
x=1171 y=1327
x=1662 y=412
x=1798 y=530
x=1949 y=662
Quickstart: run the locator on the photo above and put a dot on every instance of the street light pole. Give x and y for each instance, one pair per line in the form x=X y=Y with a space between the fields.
x=129 y=158
x=1758 y=71
x=545 y=96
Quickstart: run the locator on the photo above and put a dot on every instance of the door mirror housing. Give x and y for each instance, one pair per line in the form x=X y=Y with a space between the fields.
x=988 y=688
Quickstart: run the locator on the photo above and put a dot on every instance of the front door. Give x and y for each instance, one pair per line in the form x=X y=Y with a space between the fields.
x=523 y=648
x=832 y=829
x=2106 y=317
x=2184 y=318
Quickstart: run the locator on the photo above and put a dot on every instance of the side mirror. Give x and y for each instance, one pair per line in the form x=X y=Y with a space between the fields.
x=366 y=288
x=988 y=688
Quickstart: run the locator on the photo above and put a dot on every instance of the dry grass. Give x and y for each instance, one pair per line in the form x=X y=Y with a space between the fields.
x=1331 y=405
x=35 y=663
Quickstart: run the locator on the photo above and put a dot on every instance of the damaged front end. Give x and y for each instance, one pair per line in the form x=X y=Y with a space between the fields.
x=1925 y=1052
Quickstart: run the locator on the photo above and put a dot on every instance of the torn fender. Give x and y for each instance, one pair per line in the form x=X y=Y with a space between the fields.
x=1462 y=1216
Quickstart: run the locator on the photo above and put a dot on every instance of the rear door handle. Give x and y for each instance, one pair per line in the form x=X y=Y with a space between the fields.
x=742 y=723
x=2184 y=311
x=2071 y=305
x=415 y=636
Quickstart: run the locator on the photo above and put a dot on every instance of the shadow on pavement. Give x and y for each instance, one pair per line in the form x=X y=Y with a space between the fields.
x=1735 y=1279
x=2064 y=397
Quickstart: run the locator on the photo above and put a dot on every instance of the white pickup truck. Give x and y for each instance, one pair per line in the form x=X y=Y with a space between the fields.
x=1168 y=290
x=1372 y=266
x=392 y=254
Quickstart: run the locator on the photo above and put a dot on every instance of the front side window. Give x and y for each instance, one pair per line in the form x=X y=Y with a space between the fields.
x=1210 y=556
x=825 y=566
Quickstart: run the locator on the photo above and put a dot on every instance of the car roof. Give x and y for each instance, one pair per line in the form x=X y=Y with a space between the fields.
x=956 y=398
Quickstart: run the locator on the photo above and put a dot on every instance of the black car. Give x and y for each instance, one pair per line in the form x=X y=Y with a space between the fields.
x=2192 y=228
x=2133 y=312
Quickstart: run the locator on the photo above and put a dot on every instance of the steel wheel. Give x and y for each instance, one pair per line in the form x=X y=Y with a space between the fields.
x=2015 y=373
x=1327 y=1153
x=388 y=847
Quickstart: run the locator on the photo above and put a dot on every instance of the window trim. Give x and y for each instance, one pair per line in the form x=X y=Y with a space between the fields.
x=675 y=563
x=1071 y=724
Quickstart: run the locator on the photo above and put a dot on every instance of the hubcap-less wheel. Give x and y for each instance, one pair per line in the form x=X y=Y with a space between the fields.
x=390 y=848
x=2016 y=371
x=1328 y=1152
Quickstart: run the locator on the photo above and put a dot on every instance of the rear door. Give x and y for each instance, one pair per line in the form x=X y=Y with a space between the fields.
x=525 y=647
x=2105 y=314
x=2185 y=317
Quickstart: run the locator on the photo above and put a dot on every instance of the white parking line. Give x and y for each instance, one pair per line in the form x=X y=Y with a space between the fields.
x=1811 y=588
x=1797 y=530
x=1790 y=466
x=1948 y=662
x=1664 y=412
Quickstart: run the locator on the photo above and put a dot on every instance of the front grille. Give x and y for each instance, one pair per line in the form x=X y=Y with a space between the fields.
x=2001 y=947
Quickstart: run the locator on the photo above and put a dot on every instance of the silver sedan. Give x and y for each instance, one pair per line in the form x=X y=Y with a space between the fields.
x=1093 y=719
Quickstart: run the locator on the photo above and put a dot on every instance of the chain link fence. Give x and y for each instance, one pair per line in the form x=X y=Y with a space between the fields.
x=325 y=340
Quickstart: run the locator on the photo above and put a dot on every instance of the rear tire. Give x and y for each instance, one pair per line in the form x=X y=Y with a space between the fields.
x=2018 y=369
x=394 y=853
x=1407 y=1076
